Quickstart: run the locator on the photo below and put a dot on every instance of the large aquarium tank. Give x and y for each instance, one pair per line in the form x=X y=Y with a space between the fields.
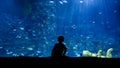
x=31 y=27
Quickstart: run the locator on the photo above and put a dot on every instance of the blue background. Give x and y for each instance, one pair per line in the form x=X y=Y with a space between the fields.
x=31 y=27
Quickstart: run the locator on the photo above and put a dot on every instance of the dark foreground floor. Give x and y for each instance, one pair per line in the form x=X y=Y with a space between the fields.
x=79 y=61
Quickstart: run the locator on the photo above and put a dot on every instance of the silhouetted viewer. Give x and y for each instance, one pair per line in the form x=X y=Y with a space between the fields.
x=59 y=49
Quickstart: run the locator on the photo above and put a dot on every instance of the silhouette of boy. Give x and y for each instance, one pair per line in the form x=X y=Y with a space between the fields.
x=59 y=50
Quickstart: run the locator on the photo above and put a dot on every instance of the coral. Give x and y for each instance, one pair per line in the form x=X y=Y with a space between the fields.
x=109 y=53
x=99 y=53
x=87 y=53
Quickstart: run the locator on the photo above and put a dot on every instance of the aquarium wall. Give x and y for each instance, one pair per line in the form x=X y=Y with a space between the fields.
x=31 y=27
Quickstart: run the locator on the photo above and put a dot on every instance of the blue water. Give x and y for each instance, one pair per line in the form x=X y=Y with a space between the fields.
x=31 y=27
